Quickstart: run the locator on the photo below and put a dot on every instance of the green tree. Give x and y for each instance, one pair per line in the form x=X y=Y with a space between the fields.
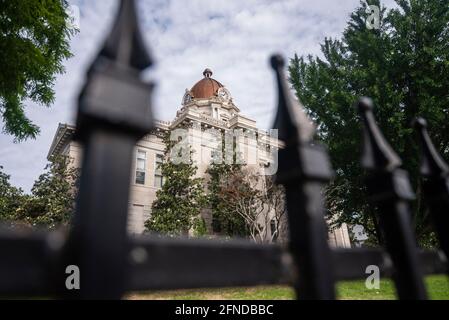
x=404 y=67
x=34 y=41
x=224 y=219
x=10 y=199
x=179 y=202
x=245 y=204
x=52 y=200
x=249 y=196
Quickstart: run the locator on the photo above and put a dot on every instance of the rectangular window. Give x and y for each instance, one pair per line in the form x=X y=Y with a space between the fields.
x=141 y=167
x=158 y=179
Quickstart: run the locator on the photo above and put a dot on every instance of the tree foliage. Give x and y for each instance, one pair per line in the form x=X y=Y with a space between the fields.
x=244 y=203
x=10 y=199
x=404 y=67
x=179 y=202
x=52 y=200
x=34 y=41
x=224 y=219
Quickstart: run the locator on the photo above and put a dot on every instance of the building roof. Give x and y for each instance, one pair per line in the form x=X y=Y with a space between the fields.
x=63 y=134
x=207 y=87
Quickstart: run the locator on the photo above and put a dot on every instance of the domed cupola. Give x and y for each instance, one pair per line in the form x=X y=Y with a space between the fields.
x=207 y=88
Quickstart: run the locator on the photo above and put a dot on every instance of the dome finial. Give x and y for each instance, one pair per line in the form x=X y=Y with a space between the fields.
x=207 y=73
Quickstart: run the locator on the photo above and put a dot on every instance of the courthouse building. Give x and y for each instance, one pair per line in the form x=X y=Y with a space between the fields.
x=206 y=109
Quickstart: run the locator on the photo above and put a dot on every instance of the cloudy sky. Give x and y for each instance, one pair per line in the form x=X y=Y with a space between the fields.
x=234 y=38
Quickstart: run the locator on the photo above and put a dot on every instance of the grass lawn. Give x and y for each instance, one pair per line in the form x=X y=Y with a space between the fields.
x=438 y=288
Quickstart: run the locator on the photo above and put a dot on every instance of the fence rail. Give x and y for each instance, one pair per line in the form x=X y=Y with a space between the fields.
x=114 y=114
x=29 y=263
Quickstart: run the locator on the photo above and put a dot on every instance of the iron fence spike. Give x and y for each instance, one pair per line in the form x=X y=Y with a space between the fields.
x=113 y=115
x=432 y=164
x=377 y=152
x=291 y=119
x=125 y=43
x=435 y=184
x=390 y=191
x=304 y=168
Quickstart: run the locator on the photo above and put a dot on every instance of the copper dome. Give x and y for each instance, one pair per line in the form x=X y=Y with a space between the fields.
x=205 y=88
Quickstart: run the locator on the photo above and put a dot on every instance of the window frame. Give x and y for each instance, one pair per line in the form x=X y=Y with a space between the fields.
x=137 y=170
x=158 y=172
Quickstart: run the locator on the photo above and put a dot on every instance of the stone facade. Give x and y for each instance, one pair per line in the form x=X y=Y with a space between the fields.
x=207 y=112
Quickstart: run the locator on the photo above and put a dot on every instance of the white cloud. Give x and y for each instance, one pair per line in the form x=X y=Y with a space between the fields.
x=233 y=38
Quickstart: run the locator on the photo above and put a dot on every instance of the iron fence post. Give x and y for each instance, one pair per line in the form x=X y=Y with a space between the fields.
x=390 y=191
x=303 y=169
x=113 y=115
x=435 y=184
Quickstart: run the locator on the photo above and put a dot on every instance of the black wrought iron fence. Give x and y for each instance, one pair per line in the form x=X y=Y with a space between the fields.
x=114 y=114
